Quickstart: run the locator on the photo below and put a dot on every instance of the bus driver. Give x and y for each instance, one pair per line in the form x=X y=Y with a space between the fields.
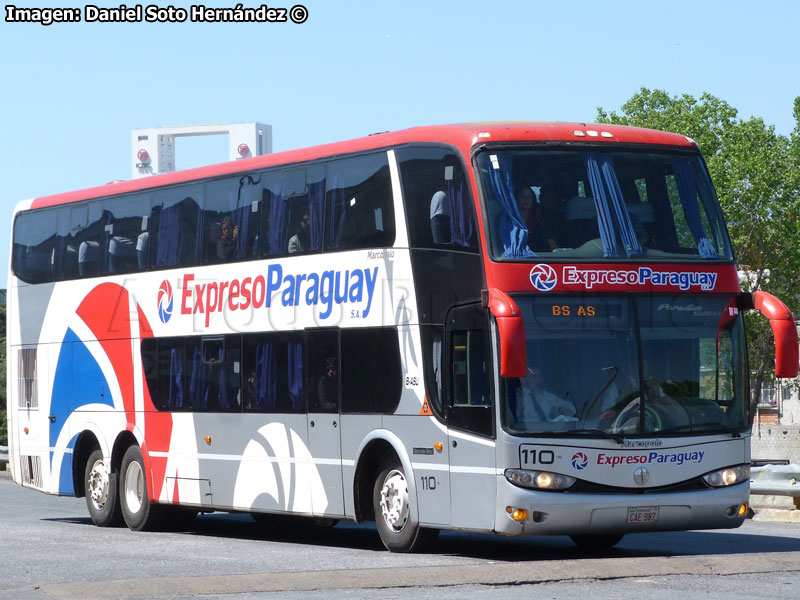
x=537 y=405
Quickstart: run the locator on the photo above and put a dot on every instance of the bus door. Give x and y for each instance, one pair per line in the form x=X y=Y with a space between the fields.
x=324 y=418
x=470 y=419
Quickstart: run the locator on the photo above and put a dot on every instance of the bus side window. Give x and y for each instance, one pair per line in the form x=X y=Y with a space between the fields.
x=296 y=217
x=34 y=245
x=78 y=246
x=232 y=219
x=372 y=377
x=125 y=225
x=437 y=199
x=469 y=404
x=176 y=236
x=359 y=203
x=323 y=371
x=273 y=372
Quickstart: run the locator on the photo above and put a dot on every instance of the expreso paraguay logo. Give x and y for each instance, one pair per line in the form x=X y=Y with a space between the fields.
x=543 y=277
x=165 y=301
x=580 y=461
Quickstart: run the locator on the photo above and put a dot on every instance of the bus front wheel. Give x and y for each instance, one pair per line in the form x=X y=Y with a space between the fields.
x=393 y=515
x=102 y=497
x=137 y=510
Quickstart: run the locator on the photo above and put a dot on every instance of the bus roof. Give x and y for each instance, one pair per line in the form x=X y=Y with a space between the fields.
x=463 y=136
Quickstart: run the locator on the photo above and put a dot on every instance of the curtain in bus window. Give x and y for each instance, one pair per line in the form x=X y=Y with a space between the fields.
x=265 y=381
x=461 y=228
x=607 y=194
x=175 y=398
x=209 y=387
x=198 y=390
x=513 y=232
x=316 y=204
x=629 y=239
x=296 y=374
x=337 y=210
x=179 y=236
x=278 y=224
x=684 y=177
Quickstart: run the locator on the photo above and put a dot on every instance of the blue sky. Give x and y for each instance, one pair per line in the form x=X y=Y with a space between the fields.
x=72 y=93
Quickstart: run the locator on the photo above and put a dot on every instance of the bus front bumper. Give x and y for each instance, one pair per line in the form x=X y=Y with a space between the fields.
x=554 y=513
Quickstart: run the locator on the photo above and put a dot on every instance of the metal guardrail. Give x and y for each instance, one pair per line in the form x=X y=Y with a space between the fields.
x=776 y=480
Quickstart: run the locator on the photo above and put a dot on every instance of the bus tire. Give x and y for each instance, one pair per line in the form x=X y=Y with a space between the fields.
x=137 y=510
x=393 y=515
x=102 y=491
x=596 y=542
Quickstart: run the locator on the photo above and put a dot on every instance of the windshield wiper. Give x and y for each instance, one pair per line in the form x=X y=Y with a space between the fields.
x=711 y=425
x=593 y=433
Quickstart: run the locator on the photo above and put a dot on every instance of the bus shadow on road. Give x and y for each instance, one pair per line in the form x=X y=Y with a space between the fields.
x=364 y=536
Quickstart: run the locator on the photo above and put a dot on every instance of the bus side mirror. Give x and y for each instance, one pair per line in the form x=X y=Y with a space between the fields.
x=783 y=328
x=511 y=329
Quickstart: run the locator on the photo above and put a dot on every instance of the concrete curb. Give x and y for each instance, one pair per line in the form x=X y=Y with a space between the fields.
x=776 y=515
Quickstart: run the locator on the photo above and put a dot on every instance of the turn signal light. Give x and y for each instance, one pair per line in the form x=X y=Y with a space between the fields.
x=743 y=509
x=208 y=439
x=438 y=446
x=518 y=514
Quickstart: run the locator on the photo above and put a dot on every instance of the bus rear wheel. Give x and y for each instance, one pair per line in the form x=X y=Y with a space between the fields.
x=101 y=487
x=596 y=542
x=391 y=502
x=137 y=510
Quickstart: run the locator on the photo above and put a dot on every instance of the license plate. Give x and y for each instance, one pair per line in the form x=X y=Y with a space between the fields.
x=642 y=514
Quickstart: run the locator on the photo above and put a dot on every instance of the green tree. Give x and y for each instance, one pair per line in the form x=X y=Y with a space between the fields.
x=757 y=176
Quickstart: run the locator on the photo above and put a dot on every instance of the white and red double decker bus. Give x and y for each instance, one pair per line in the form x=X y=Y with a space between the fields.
x=520 y=328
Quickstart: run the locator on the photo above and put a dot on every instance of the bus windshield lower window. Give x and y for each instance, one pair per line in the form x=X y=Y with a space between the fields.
x=630 y=366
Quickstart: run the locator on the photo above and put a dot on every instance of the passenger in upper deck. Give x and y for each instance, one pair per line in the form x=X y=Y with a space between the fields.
x=226 y=244
x=551 y=205
x=540 y=236
x=440 y=218
x=301 y=241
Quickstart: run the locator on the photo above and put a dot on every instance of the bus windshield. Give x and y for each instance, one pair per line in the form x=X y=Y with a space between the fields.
x=592 y=359
x=609 y=205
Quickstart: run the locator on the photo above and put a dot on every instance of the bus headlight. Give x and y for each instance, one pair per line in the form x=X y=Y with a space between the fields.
x=728 y=476
x=539 y=480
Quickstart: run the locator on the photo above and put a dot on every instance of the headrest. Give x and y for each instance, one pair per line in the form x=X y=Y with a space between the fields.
x=579 y=207
x=642 y=211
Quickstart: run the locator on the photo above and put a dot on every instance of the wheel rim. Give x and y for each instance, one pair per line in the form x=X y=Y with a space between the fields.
x=394 y=500
x=134 y=487
x=98 y=484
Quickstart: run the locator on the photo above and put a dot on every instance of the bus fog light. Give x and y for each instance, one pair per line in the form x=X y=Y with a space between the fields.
x=539 y=480
x=743 y=509
x=728 y=476
x=517 y=514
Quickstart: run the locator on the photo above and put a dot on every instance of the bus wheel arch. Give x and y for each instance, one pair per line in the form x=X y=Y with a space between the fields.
x=124 y=440
x=86 y=443
x=365 y=474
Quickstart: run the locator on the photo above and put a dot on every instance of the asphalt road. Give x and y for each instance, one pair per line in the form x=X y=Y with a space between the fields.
x=51 y=550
